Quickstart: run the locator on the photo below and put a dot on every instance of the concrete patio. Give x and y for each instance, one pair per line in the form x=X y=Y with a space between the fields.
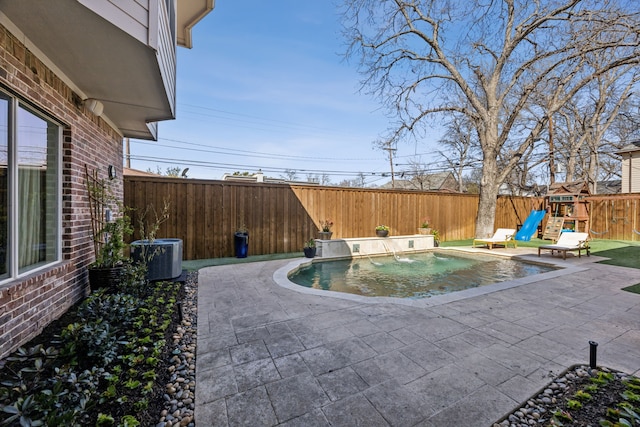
x=269 y=355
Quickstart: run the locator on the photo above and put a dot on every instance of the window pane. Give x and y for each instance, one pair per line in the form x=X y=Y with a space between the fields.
x=4 y=185
x=37 y=142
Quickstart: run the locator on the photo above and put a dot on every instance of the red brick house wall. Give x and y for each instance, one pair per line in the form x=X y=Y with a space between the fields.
x=31 y=302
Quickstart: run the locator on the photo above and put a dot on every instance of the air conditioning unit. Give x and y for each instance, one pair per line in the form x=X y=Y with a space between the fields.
x=163 y=257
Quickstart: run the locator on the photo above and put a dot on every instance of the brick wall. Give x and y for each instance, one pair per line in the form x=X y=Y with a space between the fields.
x=28 y=304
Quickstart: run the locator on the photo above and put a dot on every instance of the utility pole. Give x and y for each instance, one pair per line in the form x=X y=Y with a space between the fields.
x=390 y=151
x=128 y=153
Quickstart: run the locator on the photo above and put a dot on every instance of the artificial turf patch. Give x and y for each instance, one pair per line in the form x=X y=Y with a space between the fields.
x=633 y=288
x=626 y=256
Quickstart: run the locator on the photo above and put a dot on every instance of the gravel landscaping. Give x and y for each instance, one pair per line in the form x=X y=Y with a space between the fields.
x=580 y=397
x=179 y=399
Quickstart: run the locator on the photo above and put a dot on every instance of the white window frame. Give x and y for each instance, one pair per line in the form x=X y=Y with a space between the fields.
x=13 y=270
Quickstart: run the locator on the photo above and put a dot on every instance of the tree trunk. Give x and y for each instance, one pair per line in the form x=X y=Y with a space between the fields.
x=488 y=199
x=486 y=211
x=593 y=173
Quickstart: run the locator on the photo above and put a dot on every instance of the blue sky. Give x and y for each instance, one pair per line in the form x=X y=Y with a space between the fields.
x=266 y=86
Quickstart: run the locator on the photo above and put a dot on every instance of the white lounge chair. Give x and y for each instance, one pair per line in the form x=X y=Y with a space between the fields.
x=569 y=241
x=502 y=236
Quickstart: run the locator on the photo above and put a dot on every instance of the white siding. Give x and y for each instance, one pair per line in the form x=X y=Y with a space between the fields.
x=150 y=22
x=131 y=17
x=166 y=51
x=631 y=172
x=634 y=171
x=625 y=188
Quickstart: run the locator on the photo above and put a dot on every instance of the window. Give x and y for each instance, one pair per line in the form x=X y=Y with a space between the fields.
x=29 y=188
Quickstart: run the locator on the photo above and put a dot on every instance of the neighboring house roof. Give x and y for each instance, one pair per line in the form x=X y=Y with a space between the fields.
x=441 y=181
x=259 y=177
x=631 y=147
x=534 y=190
x=137 y=172
x=574 y=187
x=613 y=186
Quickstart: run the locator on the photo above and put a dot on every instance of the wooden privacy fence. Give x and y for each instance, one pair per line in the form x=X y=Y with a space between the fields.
x=615 y=217
x=281 y=218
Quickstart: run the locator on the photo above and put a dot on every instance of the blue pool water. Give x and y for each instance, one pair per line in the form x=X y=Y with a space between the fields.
x=413 y=276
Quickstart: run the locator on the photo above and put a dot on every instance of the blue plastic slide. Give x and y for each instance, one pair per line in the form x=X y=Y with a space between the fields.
x=530 y=226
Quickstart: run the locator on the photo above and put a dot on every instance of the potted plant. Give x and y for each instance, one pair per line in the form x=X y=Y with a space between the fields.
x=109 y=225
x=425 y=226
x=310 y=248
x=326 y=232
x=436 y=238
x=382 y=231
x=107 y=269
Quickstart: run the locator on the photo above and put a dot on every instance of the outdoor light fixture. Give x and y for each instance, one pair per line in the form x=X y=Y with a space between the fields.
x=94 y=106
x=112 y=172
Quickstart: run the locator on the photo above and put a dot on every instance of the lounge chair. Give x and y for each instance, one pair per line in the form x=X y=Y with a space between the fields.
x=569 y=241
x=502 y=236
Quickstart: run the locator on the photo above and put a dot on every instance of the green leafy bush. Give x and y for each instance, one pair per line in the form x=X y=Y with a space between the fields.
x=108 y=353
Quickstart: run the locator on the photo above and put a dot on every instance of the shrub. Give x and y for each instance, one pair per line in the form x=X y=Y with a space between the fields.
x=108 y=353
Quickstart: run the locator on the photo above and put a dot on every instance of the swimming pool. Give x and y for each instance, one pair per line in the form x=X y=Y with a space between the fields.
x=414 y=276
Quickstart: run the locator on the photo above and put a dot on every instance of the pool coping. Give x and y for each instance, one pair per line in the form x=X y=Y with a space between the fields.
x=566 y=267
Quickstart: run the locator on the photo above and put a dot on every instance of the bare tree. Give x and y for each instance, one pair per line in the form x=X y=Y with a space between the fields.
x=323 y=179
x=359 y=181
x=290 y=174
x=460 y=148
x=173 y=171
x=417 y=174
x=486 y=60
x=472 y=181
x=626 y=127
x=585 y=142
x=608 y=99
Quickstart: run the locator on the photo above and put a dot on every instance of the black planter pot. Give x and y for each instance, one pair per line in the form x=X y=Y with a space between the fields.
x=309 y=252
x=107 y=277
x=382 y=233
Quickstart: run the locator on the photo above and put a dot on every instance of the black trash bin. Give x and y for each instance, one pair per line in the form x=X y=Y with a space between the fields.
x=241 y=243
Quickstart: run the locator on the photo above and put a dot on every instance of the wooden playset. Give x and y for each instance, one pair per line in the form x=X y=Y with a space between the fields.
x=568 y=208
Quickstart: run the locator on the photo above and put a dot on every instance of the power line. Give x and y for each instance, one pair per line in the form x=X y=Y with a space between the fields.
x=231 y=151
x=262 y=119
x=231 y=166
